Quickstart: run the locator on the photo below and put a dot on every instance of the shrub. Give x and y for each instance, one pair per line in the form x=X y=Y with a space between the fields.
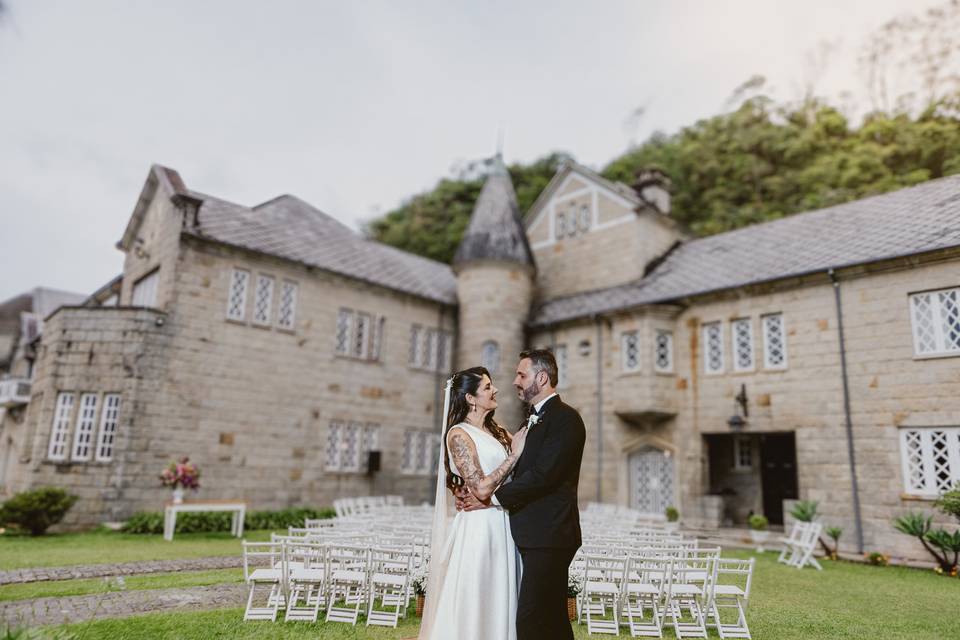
x=38 y=509
x=949 y=502
x=834 y=534
x=877 y=558
x=758 y=522
x=918 y=526
x=672 y=514
x=805 y=511
x=152 y=522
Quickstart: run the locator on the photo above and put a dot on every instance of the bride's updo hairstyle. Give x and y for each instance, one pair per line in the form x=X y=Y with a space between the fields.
x=468 y=382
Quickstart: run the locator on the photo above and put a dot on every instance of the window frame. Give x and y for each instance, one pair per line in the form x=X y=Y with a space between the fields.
x=922 y=456
x=705 y=329
x=735 y=345
x=939 y=324
x=85 y=427
x=561 y=355
x=656 y=365
x=625 y=337
x=294 y=288
x=60 y=429
x=109 y=427
x=266 y=319
x=764 y=321
x=242 y=317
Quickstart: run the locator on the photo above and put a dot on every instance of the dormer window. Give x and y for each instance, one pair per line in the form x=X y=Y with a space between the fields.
x=573 y=222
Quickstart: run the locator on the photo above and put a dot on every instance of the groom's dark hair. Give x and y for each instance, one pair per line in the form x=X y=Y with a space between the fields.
x=543 y=360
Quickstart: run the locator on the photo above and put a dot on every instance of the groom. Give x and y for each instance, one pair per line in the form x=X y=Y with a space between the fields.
x=542 y=500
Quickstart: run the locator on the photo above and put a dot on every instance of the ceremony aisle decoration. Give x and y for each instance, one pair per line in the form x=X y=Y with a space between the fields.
x=574 y=587
x=420 y=576
x=181 y=475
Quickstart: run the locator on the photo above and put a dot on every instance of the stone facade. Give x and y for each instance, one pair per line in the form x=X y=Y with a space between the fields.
x=258 y=405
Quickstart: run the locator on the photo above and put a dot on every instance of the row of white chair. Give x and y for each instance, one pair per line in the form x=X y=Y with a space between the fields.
x=645 y=590
x=348 y=507
x=305 y=578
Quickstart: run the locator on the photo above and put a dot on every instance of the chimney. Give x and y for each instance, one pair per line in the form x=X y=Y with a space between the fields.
x=653 y=187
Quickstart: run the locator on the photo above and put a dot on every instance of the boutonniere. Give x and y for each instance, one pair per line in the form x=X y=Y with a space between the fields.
x=532 y=420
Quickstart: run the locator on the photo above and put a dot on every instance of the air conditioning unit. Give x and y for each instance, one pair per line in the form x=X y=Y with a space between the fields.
x=14 y=392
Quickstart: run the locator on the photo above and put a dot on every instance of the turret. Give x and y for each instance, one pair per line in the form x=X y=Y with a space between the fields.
x=495 y=274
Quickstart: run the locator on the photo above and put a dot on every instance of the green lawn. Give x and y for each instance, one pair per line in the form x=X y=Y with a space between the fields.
x=60 y=588
x=99 y=546
x=845 y=601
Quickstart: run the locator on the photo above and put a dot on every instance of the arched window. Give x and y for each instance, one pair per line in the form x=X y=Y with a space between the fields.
x=490 y=356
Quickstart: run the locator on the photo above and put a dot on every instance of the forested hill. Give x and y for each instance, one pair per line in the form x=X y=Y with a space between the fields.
x=759 y=162
x=764 y=159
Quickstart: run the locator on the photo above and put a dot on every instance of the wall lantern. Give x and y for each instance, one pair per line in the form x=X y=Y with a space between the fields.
x=740 y=410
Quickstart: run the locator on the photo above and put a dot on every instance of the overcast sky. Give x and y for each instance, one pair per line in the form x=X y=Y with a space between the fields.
x=354 y=106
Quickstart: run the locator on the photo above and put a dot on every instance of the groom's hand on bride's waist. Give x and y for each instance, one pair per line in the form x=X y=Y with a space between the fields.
x=466 y=501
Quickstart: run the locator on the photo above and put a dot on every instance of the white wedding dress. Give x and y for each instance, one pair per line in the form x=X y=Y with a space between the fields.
x=477 y=596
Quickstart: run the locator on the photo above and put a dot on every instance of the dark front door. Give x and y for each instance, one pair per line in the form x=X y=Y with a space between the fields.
x=778 y=474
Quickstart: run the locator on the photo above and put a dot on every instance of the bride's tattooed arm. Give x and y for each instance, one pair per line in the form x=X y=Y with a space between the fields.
x=464 y=453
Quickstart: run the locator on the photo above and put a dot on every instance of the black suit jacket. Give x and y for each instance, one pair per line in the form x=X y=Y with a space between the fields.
x=542 y=497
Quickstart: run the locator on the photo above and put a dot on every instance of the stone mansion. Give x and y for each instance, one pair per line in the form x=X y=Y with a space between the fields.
x=812 y=357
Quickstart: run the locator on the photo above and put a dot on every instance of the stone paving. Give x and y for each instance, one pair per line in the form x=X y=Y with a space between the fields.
x=39 y=574
x=119 y=604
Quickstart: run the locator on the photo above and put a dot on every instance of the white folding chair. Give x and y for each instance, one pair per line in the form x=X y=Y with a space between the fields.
x=388 y=594
x=643 y=589
x=347 y=582
x=690 y=588
x=731 y=590
x=265 y=570
x=601 y=592
x=803 y=551
x=797 y=531
x=306 y=565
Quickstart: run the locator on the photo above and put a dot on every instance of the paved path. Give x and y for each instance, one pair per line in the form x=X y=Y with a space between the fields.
x=119 y=604
x=39 y=574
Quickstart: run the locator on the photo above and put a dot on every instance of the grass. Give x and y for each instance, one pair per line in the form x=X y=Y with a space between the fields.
x=845 y=601
x=62 y=588
x=101 y=545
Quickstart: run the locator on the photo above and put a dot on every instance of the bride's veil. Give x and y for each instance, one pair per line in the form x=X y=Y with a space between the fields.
x=443 y=513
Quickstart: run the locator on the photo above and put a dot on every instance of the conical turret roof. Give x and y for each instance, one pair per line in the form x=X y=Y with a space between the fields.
x=495 y=231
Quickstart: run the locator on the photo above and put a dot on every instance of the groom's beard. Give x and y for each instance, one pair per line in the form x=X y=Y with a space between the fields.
x=531 y=392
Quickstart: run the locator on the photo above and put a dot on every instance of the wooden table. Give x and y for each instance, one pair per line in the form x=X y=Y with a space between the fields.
x=170 y=511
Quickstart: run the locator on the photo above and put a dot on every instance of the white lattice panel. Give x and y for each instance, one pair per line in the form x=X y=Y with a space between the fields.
x=713 y=348
x=237 y=298
x=742 y=334
x=774 y=342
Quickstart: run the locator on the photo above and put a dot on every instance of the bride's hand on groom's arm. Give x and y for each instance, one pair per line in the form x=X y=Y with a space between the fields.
x=466 y=501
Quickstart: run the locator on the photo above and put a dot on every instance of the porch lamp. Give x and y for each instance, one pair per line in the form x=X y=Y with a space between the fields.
x=740 y=410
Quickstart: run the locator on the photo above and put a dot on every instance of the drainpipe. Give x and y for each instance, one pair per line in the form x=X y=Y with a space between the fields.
x=599 y=322
x=846 y=411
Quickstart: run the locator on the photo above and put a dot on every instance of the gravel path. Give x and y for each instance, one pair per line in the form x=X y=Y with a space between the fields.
x=40 y=574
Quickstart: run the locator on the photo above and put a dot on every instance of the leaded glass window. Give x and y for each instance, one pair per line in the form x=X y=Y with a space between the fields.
x=663 y=351
x=930 y=459
x=263 y=300
x=774 y=342
x=936 y=322
x=84 y=431
x=351 y=447
x=287 y=314
x=61 y=426
x=630 y=351
x=333 y=452
x=742 y=337
x=344 y=331
x=237 y=296
x=712 y=348
x=109 y=423
x=361 y=336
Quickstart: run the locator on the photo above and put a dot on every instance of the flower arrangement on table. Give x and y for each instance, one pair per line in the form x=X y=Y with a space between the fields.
x=181 y=475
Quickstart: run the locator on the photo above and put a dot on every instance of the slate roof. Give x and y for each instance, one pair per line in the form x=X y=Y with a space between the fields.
x=291 y=228
x=495 y=231
x=914 y=220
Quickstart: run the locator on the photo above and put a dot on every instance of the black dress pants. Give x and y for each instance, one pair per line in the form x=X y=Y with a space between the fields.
x=542 y=604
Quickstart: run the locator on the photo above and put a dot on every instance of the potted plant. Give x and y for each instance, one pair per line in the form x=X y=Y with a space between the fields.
x=180 y=475
x=420 y=588
x=673 y=517
x=758 y=530
x=574 y=587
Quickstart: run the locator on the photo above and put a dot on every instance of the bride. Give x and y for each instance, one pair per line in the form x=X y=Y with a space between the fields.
x=474 y=565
